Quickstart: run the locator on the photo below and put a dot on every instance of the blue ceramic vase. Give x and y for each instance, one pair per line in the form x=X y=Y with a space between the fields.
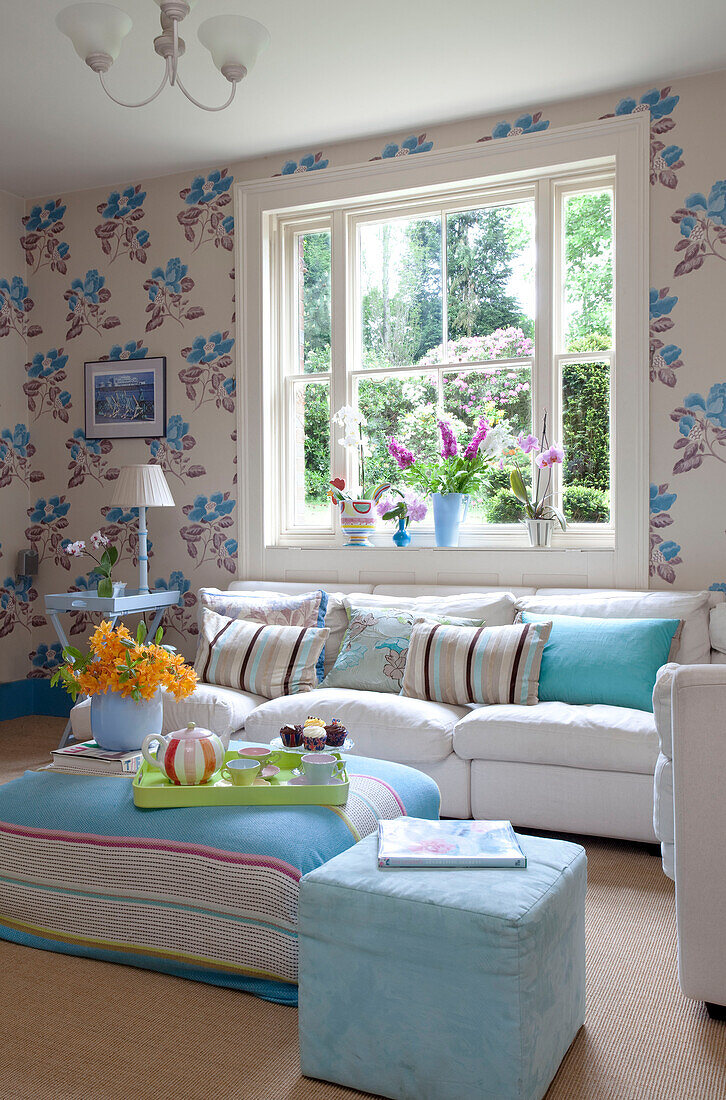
x=449 y=513
x=120 y=724
x=401 y=537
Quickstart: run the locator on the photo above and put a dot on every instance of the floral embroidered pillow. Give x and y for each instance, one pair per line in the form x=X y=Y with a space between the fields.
x=373 y=654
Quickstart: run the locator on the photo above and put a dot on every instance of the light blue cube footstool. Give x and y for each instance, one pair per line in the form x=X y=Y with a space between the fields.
x=442 y=984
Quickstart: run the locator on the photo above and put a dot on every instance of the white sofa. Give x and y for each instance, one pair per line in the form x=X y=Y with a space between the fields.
x=690 y=819
x=584 y=769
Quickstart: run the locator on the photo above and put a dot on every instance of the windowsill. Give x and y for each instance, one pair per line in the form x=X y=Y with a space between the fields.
x=583 y=538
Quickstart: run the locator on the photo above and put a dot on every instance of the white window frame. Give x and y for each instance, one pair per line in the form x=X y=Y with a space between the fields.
x=547 y=162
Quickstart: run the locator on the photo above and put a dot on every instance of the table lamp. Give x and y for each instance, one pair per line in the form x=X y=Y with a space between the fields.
x=142 y=487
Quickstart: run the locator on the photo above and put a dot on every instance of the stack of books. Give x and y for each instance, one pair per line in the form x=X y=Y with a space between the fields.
x=88 y=758
x=415 y=842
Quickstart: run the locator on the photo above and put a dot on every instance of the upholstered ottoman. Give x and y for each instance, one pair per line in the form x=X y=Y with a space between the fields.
x=207 y=893
x=442 y=984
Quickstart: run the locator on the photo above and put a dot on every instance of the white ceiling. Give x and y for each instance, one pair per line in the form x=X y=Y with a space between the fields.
x=334 y=70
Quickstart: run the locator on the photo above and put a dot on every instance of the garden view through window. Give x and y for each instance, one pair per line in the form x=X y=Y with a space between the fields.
x=442 y=325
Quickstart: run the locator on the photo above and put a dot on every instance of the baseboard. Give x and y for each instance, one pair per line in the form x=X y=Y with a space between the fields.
x=21 y=698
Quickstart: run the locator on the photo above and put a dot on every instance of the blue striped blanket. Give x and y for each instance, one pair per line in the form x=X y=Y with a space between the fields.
x=209 y=894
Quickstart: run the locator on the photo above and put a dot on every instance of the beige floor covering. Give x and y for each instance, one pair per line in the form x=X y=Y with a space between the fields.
x=75 y=1029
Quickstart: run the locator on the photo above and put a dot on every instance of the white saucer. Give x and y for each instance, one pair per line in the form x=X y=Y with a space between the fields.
x=303 y=781
x=347 y=746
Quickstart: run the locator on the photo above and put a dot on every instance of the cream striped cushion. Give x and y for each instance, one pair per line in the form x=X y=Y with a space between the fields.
x=266 y=660
x=456 y=664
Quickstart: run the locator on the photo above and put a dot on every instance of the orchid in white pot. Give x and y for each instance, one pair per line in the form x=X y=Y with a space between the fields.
x=540 y=512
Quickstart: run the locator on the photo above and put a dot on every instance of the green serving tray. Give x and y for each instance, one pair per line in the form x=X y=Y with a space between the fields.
x=153 y=791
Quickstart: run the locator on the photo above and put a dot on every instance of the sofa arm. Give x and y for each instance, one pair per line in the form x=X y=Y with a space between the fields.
x=662 y=707
x=699 y=788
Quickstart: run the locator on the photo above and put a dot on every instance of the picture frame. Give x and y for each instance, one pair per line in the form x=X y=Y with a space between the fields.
x=125 y=398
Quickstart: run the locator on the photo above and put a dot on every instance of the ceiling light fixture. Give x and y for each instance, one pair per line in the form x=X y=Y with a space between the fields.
x=97 y=32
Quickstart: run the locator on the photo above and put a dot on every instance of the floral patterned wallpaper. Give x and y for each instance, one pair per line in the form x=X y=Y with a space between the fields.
x=146 y=268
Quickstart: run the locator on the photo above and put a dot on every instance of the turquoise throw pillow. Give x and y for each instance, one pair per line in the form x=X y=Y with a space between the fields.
x=612 y=661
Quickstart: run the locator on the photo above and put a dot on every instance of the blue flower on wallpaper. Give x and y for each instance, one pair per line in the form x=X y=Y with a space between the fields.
x=713 y=207
x=47 y=656
x=230 y=386
x=660 y=500
x=43 y=217
x=16 y=292
x=176 y=580
x=119 y=204
x=170 y=277
x=669 y=550
x=711 y=408
x=91 y=446
x=87 y=288
x=670 y=155
x=130 y=350
x=209 y=509
x=62 y=250
x=659 y=103
x=717 y=586
x=310 y=163
x=206 y=350
x=48 y=511
x=661 y=306
x=226 y=226
x=410 y=145
x=18 y=589
x=230 y=547
x=18 y=440
x=525 y=124
x=688 y=224
x=176 y=429
x=42 y=366
x=207 y=189
x=120 y=515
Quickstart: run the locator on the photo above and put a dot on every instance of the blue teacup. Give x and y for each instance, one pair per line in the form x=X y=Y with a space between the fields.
x=321 y=767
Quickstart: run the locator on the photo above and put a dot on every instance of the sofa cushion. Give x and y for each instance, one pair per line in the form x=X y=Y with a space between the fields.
x=599 y=737
x=691 y=607
x=387 y=726
x=611 y=661
x=215 y=708
x=497 y=608
x=461 y=665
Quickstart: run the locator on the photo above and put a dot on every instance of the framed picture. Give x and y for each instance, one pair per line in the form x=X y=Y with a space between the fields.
x=126 y=399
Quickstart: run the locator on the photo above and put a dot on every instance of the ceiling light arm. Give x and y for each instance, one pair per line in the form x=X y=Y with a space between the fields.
x=196 y=102
x=143 y=102
x=175 y=54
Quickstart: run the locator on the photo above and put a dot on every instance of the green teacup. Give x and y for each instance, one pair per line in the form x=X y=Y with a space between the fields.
x=241 y=772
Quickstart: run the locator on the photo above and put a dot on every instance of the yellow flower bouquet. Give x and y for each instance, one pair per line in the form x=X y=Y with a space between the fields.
x=132 y=667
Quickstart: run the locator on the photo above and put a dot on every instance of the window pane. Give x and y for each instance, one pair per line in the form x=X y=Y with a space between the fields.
x=496 y=393
x=586 y=429
x=313 y=307
x=404 y=407
x=588 y=275
x=400 y=288
x=311 y=452
x=490 y=256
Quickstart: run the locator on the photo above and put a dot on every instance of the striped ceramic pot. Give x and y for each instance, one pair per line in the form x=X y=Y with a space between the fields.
x=358 y=517
x=187 y=757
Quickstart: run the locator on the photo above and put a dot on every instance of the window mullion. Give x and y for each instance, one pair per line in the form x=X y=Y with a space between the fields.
x=545 y=397
x=341 y=335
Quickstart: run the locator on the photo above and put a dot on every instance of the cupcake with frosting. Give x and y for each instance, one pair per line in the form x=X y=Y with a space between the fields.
x=314 y=736
x=291 y=736
x=336 y=734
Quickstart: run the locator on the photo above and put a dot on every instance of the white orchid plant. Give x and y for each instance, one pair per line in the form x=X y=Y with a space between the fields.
x=353 y=439
x=104 y=564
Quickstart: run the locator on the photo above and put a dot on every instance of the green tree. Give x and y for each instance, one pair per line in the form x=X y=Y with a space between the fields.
x=315 y=270
x=589 y=269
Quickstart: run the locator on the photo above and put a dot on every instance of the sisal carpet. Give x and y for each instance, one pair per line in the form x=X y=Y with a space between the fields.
x=75 y=1029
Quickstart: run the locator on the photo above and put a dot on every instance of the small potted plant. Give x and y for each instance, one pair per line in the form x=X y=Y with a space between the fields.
x=104 y=565
x=124 y=676
x=452 y=479
x=357 y=515
x=540 y=512
x=408 y=509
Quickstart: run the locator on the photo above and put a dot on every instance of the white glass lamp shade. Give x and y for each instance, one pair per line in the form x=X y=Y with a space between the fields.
x=189 y=3
x=142 y=485
x=94 y=28
x=233 y=40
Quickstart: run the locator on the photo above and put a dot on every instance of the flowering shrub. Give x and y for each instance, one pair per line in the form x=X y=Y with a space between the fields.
x=131 y=667
x=502 y=343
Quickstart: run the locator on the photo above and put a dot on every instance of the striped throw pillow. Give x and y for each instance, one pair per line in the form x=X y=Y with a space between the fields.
x=266 y=660
x=457 y=664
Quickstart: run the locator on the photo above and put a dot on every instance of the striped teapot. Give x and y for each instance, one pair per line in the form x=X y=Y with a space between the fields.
x=187 y=757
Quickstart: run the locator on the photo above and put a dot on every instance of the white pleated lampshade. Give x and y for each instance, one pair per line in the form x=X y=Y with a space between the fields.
x=137 y=485
x=233 y=40
x=94 y=28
